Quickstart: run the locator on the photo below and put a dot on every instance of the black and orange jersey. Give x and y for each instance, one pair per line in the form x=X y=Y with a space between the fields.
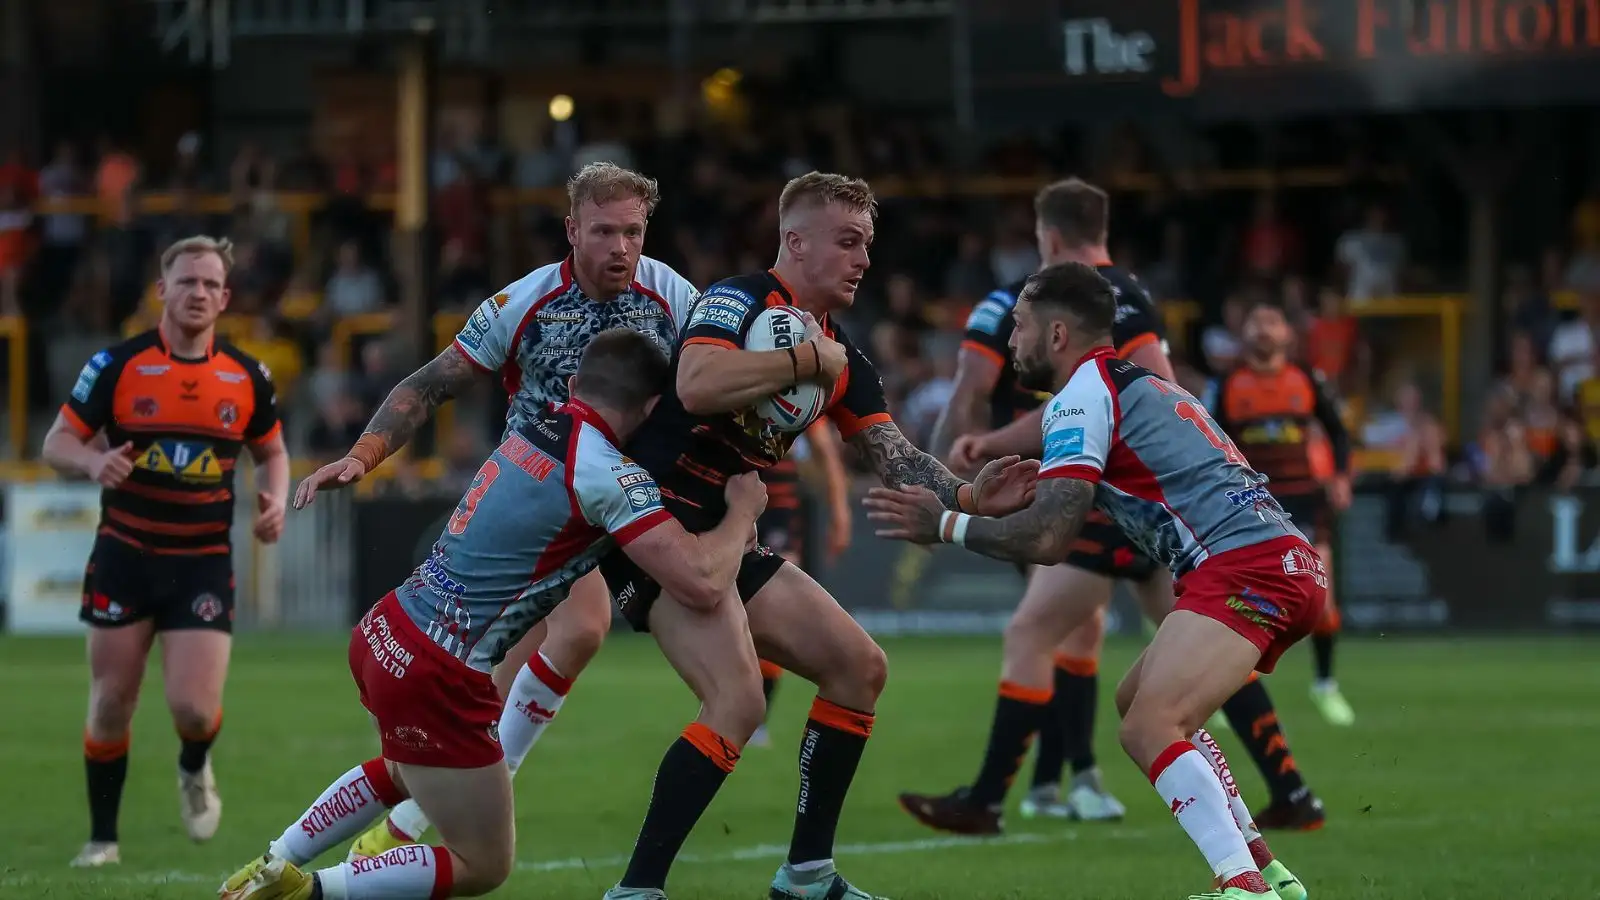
x=187 y=419
x=693 y=456
x=782 y=479
x=1271 y=415
x=991 y=322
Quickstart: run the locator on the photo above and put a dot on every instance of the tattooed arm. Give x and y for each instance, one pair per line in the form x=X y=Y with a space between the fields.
x=900 y=464
x=414 y=399
x=1040 y=534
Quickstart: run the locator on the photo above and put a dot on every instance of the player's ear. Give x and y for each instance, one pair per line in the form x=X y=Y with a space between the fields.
x=572 y=231
x=227 y=295
x=572 y=380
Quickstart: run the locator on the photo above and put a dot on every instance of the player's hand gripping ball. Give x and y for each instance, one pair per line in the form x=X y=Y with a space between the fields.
x=793 y=409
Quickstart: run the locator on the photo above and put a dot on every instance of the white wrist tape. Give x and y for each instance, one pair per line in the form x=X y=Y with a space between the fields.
x=953 y=527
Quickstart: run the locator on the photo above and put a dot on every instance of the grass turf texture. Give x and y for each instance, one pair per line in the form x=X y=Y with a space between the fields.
x=1468 y=775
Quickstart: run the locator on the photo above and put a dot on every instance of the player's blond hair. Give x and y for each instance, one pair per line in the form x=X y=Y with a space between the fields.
x=815 y=189
x=197 y=245
x=603 y=182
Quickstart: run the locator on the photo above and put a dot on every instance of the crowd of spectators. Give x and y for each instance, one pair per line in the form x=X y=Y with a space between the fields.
x=81 y=279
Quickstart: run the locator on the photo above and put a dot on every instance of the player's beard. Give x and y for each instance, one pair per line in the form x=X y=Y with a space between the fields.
x=1035 y=374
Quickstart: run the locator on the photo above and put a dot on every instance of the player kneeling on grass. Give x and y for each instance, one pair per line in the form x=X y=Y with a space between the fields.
x=554 y=497
x=1248 y=585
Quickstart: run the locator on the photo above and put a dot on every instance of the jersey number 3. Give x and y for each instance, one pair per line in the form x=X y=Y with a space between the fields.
x=1195 y=414
x=469 y=503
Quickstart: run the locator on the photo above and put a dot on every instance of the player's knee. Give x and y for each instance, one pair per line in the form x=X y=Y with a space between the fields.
x=1023 y=637
x=735 y=709
x=191 y=719
x=872 y=671
x=1085 y=640
x=111 y=711
x=481 y=873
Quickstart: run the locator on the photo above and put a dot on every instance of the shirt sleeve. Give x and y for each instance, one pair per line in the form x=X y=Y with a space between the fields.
x=1137 y=323
x=613 y=492
x=861 y=403
x=491 y=330
x=676 y=291
x=722 y=317
x=1078 y=427
x=989 y=328
x=264 y=424
x=89 y=407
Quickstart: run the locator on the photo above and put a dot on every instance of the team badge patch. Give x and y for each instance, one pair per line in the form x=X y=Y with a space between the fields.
x=207 y=607
x=144 y=407
x=227 y=413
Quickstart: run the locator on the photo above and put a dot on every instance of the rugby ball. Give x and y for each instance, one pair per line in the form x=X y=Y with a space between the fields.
x=780 y=328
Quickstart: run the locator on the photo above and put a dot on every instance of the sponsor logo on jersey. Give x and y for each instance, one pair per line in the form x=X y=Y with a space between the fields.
x=1066 y=442
x=477 y=328
x=633 y=478
x=988 y=315
x=188 y=461
x=153 y=371
x=90 y=374
x=1301 y=561
x=642 y=497
x=725 y=315
x=237 y=377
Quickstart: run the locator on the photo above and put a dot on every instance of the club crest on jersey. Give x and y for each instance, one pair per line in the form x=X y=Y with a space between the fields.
x=144 y=407
x=227 y=413
x=1301 y=561
x=207 y=607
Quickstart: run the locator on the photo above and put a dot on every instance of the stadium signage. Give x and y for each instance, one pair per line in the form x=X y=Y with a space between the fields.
x=1266 y=57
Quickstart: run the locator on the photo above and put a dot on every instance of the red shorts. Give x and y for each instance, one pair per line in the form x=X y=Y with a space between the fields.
x=1272 y=594
x=432 y=710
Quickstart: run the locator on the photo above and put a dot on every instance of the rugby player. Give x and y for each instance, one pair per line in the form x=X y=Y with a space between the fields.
x=555 y=496
x=784 y=528
x=159 y=421
x=1272 y=405
x=529 y=338
x=705 y=431
x=1146 y=453
x=1071 y=225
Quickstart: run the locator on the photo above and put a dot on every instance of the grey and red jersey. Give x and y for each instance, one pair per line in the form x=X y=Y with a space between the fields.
x=533 y=333
x=1166 y=474
x=553 y=498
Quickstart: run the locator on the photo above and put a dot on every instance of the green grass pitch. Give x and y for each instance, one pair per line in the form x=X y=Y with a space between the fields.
x=1469 y=775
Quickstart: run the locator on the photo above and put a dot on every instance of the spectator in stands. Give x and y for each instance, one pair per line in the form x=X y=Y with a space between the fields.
x=1270 y=245
x=1526 y=306
x=1573 y=347
x=354 y=288
x=63 y=234
x=896 y=336
x=123 y=264
x=1418 y=442
x=1504 y=462
x=931 y=376
x=1167 y=277
x=1220 y=342
x=969 y=276
x=1015 y=255
x=1372 y=257
x=1583 y=271
x=16 y=245
x=1333 y=344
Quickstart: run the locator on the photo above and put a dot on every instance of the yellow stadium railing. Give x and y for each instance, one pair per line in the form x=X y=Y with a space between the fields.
x=1446 y=310
x=14 y=331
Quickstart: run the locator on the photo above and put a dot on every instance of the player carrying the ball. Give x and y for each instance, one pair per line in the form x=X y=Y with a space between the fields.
x=1142 y=450
x=707 y=430
x=554 y=497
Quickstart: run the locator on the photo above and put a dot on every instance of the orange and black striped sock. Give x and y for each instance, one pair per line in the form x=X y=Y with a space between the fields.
x=689 y=777
x=1255 y=720
x=195 y=746
x=105 y=765
x=830 y=753
x=1018 y=715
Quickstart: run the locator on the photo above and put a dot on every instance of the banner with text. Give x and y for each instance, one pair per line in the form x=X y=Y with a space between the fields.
x=50 y=530
x=1038 y=61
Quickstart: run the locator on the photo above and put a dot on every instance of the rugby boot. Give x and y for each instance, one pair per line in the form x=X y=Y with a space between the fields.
x=821 y=883
x=198 y=802
x=955 y=812
x=1045 y=800
x=268 y=878
x=1305 y=814
x=1330 y=702
x=621 y=893
x=376 y=841
x=1247 y=886
x=1089 y=801
x=1283 y=881
x=96 y=854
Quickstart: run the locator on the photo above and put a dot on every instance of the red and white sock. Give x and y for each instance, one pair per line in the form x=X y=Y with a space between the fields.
x=1207 y=745
x=532 y=702
x=344 y=810
x=412 y=872
x=1188 y=784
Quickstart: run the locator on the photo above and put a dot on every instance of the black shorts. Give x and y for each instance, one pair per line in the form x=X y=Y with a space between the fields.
x=1311 y=513
x=783 y=531
x=635 y=592
x=1102 y=548
x=122 y=585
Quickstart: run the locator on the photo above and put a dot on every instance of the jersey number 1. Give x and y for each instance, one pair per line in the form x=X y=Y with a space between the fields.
x=469 y=503
x=1195 y=414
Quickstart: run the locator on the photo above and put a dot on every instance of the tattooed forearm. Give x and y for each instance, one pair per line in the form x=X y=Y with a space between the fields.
x=1040 y=534
x=900 y=464
x=413 y=400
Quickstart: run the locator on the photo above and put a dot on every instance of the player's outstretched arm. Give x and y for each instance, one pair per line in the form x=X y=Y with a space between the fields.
x=1040 y=534
x=900 y=464
x=414 y=399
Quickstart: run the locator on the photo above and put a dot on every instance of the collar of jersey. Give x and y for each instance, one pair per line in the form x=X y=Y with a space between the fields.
x=583 y=412
x=166 y=348
x=1104 y=351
